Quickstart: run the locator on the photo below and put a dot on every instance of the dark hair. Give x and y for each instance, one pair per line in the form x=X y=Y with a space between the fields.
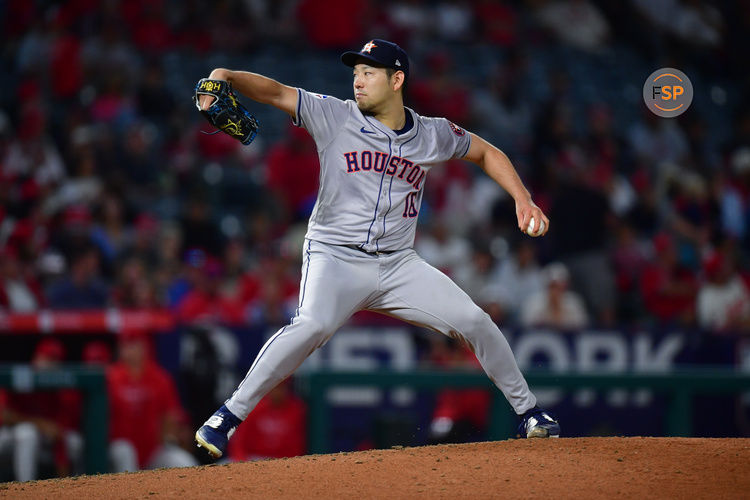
x=389 y=72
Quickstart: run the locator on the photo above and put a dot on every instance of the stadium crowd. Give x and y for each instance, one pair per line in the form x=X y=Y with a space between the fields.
x=111 y=195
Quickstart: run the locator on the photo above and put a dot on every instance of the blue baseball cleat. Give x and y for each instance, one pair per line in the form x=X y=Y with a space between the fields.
x=215 y=433
x=536 y=423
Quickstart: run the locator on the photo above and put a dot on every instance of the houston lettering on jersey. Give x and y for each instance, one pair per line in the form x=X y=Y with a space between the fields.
x=376 y=161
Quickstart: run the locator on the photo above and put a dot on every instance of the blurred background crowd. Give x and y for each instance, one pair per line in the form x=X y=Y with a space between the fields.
x=111 y=195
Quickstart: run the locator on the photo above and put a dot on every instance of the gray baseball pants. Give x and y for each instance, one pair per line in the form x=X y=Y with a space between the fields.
x=338 y=281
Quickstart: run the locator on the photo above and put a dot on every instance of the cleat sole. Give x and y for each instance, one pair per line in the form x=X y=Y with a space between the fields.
x=211 y=449
x=541 y=432
x=538 y=432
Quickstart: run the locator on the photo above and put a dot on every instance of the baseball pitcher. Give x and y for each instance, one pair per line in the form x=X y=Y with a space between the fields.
x=375 y=155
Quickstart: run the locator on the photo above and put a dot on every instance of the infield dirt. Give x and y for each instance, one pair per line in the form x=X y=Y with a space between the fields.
x=554 y=468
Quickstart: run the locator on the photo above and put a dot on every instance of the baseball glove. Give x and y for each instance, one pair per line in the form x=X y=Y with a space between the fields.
x=226 y=113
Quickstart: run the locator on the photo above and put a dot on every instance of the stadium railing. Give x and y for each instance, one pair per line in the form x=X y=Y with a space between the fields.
x=680 y=386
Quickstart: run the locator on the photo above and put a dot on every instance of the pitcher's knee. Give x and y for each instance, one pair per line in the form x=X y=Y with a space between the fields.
x=476 y=322
x=318 y=332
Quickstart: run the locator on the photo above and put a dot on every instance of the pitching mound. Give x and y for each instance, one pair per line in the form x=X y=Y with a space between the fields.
x=555 y=468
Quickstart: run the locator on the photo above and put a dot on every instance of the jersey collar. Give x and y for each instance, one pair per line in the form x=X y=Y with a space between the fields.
x=372 y=122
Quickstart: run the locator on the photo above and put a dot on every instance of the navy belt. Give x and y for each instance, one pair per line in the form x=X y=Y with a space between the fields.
x=377 y=252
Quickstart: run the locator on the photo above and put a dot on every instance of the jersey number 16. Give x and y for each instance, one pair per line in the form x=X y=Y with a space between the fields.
x=410 y=207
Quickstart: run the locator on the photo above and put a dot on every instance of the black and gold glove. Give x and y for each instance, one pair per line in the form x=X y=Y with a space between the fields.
x=226 y=113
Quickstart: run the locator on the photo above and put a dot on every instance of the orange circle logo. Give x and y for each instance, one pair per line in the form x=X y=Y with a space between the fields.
x=668 y=92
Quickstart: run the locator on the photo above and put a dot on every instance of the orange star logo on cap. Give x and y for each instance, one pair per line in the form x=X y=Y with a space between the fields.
x=368 y=47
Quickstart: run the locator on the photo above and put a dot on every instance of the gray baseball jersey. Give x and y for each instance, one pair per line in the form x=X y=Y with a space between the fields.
x=372 y=179
x=358 y=254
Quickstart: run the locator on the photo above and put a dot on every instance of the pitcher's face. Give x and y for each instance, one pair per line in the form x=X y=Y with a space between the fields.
x=371 y=87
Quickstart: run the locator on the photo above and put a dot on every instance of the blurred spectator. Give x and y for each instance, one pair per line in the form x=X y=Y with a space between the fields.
x=237 y=282
x=668 y=287
x=439 y=93
x=518 y=278
x=579 y=238
x=274 y=20
x=504 y=118
x=82 y=188
x=460 y=415
x=147 y=423
x=655 y=141
x=292 y=172
x=134 y=289
x=442 y=248
x=209 y=291
x=205 y=302
x=629 y=259
x=83 y=288
x=188 y=278
x=276 y=428
x=578 y=23
x=149 y=25
x=108 y=51
x=228 y=27
x=279 y=291
x=498 y=22
x=691 y=211
x=555 y=306
x=208 y=368
x=20 y=292
x=41 y=428
x=734 y=195
x=96 y=353
x=335 y=24
x=222 y=291
x=28 y=235
x=214 y=147
x=72 y=229
x=32 y=154
x=604 y=155
x=704 y=156
x=476 y=277
x=644 y=214
x=113 y=105
x=65 y=61
x=449 y=197
x=723 y=302
x=167 y=264
x=111 y=234
x=138 y=160
x=454 y=20
x=552 y=120
x=410 y=20
x=155 y=101
x=695 y=22
x=198 y=228
x=148 y=238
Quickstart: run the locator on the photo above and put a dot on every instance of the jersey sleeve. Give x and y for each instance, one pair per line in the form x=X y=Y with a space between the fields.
x=321 y=115
x=453 y=141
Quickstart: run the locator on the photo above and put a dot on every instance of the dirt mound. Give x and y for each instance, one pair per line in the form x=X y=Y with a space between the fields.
x=554 y=468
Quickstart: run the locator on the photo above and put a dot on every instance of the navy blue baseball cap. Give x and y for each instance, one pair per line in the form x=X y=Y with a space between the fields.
x=381 y=52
